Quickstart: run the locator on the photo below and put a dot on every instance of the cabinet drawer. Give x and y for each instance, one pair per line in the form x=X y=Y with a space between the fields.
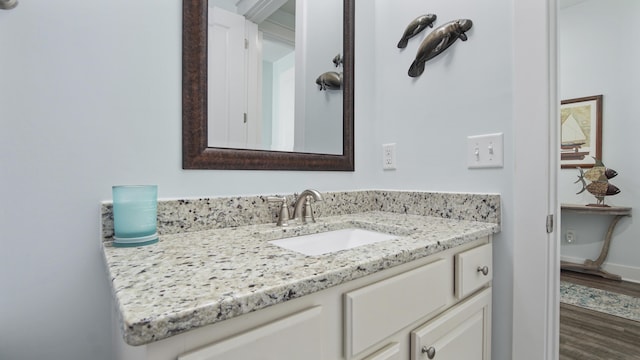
x=379 y=310
x=473 y=269
x=460 y=333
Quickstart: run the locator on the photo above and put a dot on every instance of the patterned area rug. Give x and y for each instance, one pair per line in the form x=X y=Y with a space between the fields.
x=607 y=302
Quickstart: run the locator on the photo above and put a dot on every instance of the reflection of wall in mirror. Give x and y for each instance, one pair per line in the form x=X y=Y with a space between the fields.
x=283 y=103
x=278 y=75
x=322 y=110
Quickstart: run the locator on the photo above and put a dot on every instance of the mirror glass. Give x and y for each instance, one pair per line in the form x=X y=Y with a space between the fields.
x=262 y=87
x=252 y=98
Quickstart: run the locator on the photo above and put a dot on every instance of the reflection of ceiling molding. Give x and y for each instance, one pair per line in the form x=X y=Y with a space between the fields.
x=258 y=10
x=278 y=31
x=567 y=3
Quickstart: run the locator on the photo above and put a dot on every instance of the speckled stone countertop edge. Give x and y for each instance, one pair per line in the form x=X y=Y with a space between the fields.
x=166 y=289
x=197 y=214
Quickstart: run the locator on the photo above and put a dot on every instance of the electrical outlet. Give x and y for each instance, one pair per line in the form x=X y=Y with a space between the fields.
x=389 y=156
x=570 y=236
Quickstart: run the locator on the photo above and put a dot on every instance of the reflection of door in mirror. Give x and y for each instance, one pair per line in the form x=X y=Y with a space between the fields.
x=262 y=92
x=227 y=103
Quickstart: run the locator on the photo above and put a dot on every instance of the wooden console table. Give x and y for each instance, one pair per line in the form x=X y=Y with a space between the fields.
x=594 y=267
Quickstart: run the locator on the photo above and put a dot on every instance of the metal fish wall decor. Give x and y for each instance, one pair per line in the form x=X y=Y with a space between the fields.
x=331 y=80
x=599 y=185
x=337 y=60
x=438 y=41
x=415 y=27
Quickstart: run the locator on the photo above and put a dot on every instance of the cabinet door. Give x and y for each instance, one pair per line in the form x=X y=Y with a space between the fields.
x=463 y=332
x=377 y=311
x=298 y=336
x=390 y=352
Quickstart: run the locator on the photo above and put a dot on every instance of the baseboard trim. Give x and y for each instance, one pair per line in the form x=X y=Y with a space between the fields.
x=628 y=273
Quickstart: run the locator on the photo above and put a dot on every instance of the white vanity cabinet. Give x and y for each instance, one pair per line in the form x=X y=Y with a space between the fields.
x=444 y=307
x=440 y=301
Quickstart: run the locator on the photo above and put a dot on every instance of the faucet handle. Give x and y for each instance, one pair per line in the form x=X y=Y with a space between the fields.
x=308 y=212
x=283 y=219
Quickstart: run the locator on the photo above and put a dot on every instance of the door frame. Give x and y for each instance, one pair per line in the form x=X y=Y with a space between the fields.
x=536 y=262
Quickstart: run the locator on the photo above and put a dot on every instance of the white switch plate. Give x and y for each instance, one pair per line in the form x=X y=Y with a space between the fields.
x=389 y=156
x=485 y=151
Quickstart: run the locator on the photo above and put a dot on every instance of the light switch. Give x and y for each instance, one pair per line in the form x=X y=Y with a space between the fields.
x=485 y=151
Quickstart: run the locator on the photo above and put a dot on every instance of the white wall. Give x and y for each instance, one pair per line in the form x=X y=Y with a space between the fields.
x=604 y=60
x=90 y=97
x=464 y=91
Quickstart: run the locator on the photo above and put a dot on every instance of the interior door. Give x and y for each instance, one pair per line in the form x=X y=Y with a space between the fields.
x=226 y=84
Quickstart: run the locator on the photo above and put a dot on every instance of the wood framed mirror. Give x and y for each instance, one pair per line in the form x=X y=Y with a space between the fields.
x=197 y=154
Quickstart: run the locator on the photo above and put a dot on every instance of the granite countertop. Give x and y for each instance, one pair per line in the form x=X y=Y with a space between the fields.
x=188 y=280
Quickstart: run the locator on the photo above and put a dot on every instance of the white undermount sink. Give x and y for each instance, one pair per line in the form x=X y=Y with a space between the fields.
x=332 y=241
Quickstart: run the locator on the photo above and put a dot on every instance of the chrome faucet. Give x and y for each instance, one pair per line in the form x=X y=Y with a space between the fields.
x=305 y=215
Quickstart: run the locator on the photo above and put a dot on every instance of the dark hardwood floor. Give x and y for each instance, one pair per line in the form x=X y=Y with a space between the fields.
x=587 y=334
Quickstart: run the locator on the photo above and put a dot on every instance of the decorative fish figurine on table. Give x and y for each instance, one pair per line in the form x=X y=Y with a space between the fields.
x=438 y=41
x=415 y=27
x=594 y=173
x=600 y=186
x=330 y=80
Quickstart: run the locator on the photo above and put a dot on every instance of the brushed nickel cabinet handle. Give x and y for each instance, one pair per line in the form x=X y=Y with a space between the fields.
x=430 y=351
x=483 y=269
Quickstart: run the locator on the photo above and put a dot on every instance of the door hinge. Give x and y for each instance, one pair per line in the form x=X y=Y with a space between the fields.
x=245 y=118
x=246 y=43
x=549 y=223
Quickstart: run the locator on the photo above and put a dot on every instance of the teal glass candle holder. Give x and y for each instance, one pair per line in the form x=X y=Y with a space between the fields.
x=135 y=215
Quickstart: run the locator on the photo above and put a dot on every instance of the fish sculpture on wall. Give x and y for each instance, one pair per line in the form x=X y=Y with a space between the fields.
x=599 y=185
x=415 y=27
x=331 y=80
x=337 y=60
x=438 y=41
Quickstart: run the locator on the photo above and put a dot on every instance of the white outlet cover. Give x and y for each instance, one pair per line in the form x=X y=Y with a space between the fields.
x=485 y=151
x=389 y=156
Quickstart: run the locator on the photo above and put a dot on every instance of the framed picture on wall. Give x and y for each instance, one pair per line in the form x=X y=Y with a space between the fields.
x=580 y=131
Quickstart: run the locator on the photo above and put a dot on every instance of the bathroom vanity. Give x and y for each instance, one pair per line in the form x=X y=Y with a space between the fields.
x=228 y=293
